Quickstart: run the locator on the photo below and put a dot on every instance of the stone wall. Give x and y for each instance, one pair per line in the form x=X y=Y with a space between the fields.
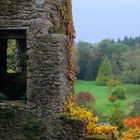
x=48 y=66
x=74 y=129
x=13 y=118
x=11 y=121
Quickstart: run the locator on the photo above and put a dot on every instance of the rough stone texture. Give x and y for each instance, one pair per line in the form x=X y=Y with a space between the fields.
x=11 y=121
x=47 y=67
x=74 y=129
x=47 y=98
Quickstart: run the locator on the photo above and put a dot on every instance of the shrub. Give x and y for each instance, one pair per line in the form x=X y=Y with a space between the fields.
x=132 y=122
x=2 y=97
x=113 y=82
x=112 y=98
x=84 y=97
x=119 y=92
x=92 y=128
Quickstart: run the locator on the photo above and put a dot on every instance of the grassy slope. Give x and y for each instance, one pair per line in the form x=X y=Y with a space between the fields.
x=101 y=93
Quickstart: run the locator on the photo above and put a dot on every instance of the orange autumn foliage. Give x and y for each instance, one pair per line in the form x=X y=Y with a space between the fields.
x=132 y=122
x=133 y=129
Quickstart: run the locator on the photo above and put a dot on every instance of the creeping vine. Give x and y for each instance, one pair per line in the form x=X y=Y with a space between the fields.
x=65 y=11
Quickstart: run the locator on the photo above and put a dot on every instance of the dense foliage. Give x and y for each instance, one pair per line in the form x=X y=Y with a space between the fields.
x=122 y=54
x=11 y=56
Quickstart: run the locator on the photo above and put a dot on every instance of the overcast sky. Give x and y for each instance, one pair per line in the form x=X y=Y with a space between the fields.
x=98 y=19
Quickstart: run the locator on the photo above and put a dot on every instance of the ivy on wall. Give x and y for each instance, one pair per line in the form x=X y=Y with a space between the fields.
x=65 y=11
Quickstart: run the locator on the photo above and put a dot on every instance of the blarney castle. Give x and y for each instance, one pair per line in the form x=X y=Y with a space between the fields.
x=43 y=28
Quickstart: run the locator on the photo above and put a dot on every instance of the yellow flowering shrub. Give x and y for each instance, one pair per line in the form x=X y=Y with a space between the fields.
x=101 y=130
x=75 y=111
x=131 y=134
x=92 y=127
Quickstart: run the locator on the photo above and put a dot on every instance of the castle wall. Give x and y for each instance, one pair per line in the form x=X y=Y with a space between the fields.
x=11 y=122
x=15 y=124
x=48 y=56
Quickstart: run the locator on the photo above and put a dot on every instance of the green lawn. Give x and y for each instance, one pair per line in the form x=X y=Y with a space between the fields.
x=102 y=93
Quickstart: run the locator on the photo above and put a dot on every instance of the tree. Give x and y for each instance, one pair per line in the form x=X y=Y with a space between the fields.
x=89 y=71
x=131 y=66
x=122 y=54
x=128 y=41
x=105 y=72
x=105 y=47
x=118 y=49
x=83 y=50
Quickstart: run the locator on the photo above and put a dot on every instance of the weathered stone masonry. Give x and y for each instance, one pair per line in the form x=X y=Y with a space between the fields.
x=48 y=38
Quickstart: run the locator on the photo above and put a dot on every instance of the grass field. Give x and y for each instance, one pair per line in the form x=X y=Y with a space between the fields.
x=102 y=93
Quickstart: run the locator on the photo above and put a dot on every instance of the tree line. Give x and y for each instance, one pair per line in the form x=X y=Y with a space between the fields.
x=123 y=55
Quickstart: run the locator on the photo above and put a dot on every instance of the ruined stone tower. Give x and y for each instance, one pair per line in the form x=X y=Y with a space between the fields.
x=45 y=28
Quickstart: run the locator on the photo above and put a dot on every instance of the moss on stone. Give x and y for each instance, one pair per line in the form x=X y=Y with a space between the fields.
x=55 y=30
x=68 y=117
x=96 y=137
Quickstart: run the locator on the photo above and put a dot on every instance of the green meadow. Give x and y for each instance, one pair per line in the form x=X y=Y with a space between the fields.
x=101 y=93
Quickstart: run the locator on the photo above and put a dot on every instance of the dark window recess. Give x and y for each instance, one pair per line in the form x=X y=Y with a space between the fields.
x=13 y=63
